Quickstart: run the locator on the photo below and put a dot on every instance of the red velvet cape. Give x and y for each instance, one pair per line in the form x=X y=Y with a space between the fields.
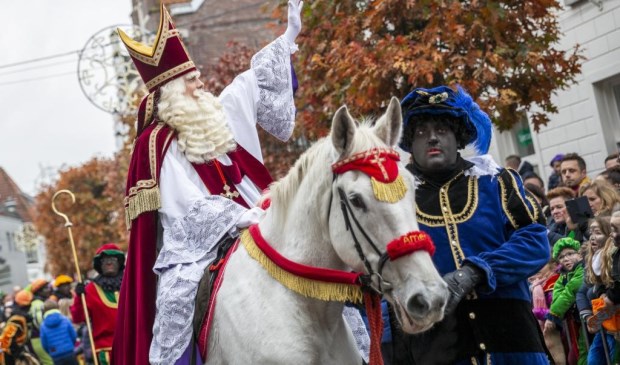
x=136 y=307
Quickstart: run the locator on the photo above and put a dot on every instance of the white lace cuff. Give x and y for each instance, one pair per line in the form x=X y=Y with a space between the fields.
x=275 y=107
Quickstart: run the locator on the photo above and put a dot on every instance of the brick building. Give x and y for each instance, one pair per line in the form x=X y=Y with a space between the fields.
x=208 y=25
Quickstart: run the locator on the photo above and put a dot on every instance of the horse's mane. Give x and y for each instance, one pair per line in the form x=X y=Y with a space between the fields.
x=321 y=154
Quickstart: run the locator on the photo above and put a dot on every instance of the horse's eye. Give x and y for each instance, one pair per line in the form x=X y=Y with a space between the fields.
x=357 y=201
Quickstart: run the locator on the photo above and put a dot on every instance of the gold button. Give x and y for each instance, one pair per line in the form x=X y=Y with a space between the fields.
x=472 y=315
x=444 y=208
x=482 y=346
x=453 y=243
x=441 y=190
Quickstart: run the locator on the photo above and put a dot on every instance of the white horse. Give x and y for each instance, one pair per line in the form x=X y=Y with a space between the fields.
x=258 y=320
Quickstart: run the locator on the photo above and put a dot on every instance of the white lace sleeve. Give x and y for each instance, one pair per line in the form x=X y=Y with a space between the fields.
x=354 y=320
x=188 y=248
x=276 y=108
x=193 y=222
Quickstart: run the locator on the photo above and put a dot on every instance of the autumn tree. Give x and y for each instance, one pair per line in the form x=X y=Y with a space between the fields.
x=361 y=53
x=97 y=215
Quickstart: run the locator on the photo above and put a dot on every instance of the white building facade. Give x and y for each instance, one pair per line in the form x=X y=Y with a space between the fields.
x=13 y=261
x=588 y=121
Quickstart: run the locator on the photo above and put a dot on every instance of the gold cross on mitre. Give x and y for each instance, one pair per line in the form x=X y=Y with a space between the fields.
x=229 y=194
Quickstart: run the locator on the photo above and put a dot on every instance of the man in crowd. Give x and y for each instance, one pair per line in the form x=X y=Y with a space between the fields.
x=101 y=296
x=14 y=336
x=521 y=166
x=488 y=317
x=62 y=285
x=40 y=290
x=612 y=160
x=195 y=174
x=573 y=170
x=555 y=179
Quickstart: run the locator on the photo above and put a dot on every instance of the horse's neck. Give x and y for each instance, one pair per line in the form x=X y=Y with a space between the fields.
x=302 y=240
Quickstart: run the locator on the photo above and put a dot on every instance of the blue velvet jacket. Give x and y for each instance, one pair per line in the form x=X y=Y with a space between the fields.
x=482 y=216
x=509 y=246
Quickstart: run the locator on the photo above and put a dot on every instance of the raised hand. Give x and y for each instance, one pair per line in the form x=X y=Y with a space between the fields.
x=294 y=20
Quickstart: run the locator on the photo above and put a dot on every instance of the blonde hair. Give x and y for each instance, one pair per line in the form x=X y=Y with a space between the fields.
x=606 y=192
x=606 y=255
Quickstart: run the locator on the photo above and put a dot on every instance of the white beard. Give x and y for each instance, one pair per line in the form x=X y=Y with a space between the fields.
x=202 y=131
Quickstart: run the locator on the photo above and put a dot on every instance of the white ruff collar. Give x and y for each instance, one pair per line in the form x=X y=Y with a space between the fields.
x=483 y=165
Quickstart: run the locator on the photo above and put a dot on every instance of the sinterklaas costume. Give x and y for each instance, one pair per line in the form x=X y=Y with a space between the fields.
x=178 y=211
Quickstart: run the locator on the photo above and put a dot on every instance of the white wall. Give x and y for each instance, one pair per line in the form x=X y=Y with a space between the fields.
x=15 y=259
x=587 y=123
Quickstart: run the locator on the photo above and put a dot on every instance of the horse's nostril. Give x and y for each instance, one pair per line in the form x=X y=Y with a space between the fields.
x=439 y=302
x=418 y=304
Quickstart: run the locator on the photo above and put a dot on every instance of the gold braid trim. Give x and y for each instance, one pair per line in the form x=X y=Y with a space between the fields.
x=144 y=200
x=389 y=192
x=307 y=287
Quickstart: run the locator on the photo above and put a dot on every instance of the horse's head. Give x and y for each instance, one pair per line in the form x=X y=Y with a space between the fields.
x=372 y=219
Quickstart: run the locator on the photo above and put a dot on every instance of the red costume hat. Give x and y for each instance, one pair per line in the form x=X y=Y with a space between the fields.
x=164 y=61
x=109 y=249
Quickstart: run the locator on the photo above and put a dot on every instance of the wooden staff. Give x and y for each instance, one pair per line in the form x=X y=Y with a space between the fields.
x=68 y=225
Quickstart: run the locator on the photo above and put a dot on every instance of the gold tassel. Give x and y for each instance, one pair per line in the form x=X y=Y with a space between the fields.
x=389 y=192
x=307 y=287
x=145 y=200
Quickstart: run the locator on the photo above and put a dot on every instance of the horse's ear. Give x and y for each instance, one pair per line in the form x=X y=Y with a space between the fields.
x=390 y=125
x=343 y=130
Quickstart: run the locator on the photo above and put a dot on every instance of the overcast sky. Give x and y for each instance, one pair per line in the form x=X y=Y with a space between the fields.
x=45 y=120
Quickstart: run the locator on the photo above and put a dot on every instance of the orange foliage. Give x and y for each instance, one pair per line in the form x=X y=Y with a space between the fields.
x=363 y=52
x=97 y=215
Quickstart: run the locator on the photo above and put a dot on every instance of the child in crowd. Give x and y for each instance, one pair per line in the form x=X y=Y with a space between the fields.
x=541 y=287
x=566 y=252
x=58 y=335
x=597 y=281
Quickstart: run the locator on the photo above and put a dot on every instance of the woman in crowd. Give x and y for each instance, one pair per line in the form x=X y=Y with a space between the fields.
x=602 y=197
x=560 y=224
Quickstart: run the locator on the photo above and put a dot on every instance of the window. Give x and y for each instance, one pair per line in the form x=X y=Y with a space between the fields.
x=9 y=241
x=523 y=138
x=32 y=256
x=607 y=94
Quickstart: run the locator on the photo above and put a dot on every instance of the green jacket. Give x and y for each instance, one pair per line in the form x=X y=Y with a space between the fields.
x=565 y=291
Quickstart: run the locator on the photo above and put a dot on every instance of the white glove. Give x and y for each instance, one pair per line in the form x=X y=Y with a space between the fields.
x=294 y=22
x=249 y=217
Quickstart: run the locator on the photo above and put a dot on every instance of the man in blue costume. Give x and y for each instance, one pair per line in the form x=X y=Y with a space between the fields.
x=487 y=238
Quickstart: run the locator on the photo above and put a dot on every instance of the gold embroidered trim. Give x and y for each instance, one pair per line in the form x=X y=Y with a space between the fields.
x=161 y=78
x=463 y=216
x=512 y=219
x=168 y=138
x=152 y=149
x=534 y=204
x=365 y=155
x=148 y=112
x=142 y=184
x=513 y=181
x=451 y=226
